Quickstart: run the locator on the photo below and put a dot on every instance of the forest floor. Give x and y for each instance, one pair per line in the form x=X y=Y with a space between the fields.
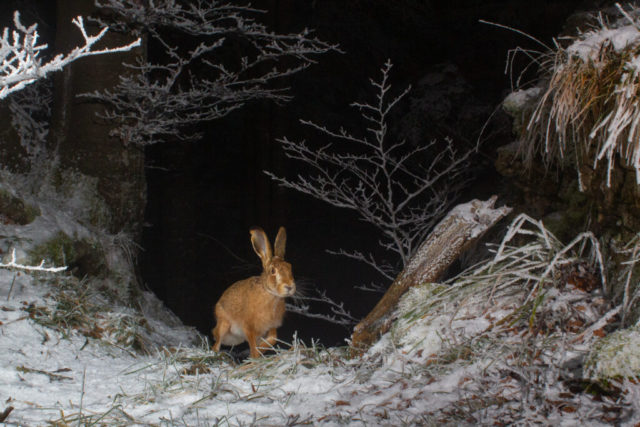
x=524 y=339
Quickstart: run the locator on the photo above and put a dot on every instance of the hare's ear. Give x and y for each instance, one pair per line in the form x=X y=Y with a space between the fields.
x=281 y=241
x=261 y=245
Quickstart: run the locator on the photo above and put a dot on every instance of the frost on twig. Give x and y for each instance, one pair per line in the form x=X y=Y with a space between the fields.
x=402 y=190
x=159 y=101
x=339 y=316
x=383 y=268
x=20 y=62
x=41 y=267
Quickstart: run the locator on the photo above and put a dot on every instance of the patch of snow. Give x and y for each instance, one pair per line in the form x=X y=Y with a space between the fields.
x=45 y=227
x=518 y=100
x=480 y=215
x=453 y=358
x=589 y=46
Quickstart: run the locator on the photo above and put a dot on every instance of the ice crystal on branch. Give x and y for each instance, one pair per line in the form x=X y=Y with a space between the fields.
x=20 y=62
x=402 y=190
x=13 y=263
x=160 y=100
x=339 y=314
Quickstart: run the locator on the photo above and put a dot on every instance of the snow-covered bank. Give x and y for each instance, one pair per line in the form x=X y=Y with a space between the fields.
x=504 y=344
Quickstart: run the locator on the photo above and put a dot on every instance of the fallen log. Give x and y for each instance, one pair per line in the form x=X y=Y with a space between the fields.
x=462 y=227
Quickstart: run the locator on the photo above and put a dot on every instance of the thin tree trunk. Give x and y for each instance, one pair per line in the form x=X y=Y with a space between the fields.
x=82 y=140
x=462 y=227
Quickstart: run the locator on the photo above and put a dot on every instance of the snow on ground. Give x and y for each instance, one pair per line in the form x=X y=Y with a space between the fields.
x=492 y=348
x=81 y=381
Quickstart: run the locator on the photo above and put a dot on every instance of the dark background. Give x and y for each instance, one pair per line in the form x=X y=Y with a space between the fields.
x=204 y=196
x=216 y=189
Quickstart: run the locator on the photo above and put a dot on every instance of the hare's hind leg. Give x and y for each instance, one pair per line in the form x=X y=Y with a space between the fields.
x=252 y=337
x=217 y=336
x=222 y=328
x=271 y=339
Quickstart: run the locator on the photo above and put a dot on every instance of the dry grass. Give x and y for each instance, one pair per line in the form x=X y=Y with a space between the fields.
x=538 y=297
x=589 y=111
x=78 y=309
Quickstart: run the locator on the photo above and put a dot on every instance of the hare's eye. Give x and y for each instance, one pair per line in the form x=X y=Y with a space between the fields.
x=273 y=271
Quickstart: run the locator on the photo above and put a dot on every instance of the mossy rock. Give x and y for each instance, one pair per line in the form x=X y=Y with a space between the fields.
x=520 y=106
x=575 y=207
x=83 y=256
x=16 y=209
x=59 y=250
x=84 y=198
x=614 y=357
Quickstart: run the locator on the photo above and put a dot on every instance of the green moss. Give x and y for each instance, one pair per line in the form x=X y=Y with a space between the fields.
x=85 y=257
x=614 y=356
x=59 y=250
x=17 y=209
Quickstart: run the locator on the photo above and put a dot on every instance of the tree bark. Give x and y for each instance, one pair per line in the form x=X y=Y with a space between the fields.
x=462 y=227
x=81 y=139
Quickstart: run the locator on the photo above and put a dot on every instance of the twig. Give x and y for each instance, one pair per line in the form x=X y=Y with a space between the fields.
x=84 y=373
x=598 y=325
x=11 y=288
x=5 y=414
x=12 y=264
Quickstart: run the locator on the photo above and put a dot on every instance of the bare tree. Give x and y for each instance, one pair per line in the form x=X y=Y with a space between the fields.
x=20 y=61
x=402 y=190
x=157 y=102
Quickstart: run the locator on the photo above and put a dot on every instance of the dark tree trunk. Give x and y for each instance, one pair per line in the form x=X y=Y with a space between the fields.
x=81 y=139
x=13 y=156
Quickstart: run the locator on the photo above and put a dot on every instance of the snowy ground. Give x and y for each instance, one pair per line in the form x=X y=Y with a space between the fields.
x=462 y=354
x=529 y=338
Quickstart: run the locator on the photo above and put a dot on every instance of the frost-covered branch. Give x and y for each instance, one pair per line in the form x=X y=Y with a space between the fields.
x=41 y=267
x=20 y=62
x=383 y=268
x=340 y=315
x=402 y=190
x=460 y=229
x=157 y=102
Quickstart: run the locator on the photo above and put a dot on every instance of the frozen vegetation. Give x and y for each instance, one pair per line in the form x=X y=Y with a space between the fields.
x=521 y=339
x=532 y=336
x=20 y=60
x=586 y=109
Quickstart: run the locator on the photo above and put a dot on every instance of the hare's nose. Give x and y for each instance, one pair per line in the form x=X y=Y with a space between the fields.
x=288 y=288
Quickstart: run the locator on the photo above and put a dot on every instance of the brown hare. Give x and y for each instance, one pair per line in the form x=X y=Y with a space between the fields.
x=253 y=308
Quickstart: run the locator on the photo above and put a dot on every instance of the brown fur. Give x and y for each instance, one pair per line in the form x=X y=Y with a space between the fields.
x=252 y=309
